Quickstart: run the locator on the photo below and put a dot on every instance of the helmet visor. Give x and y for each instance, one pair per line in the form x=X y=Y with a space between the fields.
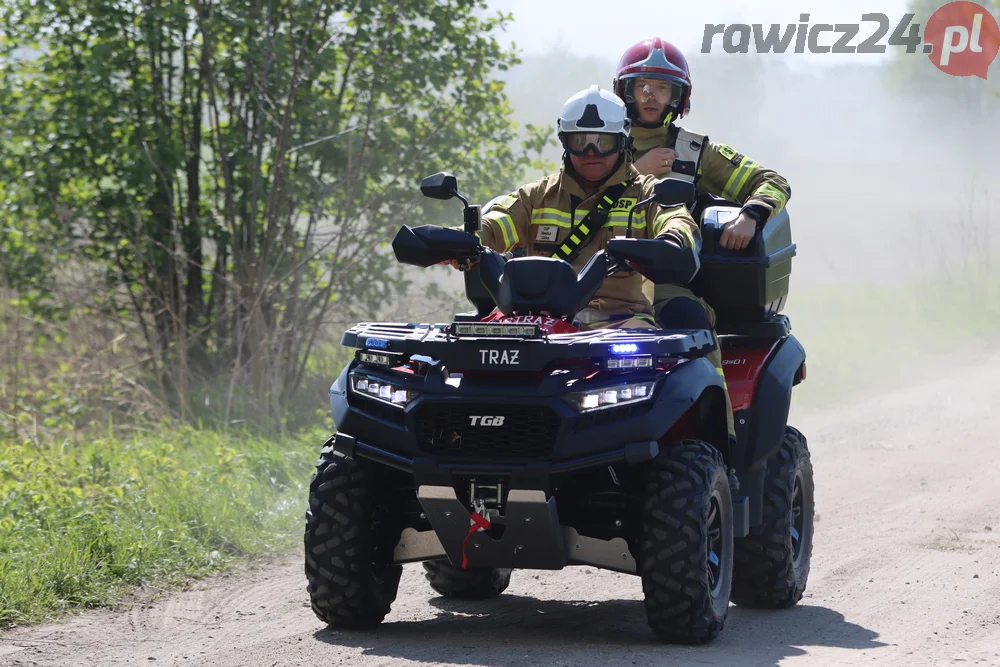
x=600 y=143
x=663 y=91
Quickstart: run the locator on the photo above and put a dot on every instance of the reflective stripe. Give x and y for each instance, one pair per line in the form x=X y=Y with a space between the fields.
x=661 y=221
x=550 y=216
x=507 y=228
x=620 y=219
x=769 y=190
x=738 y=179
x=558 y=219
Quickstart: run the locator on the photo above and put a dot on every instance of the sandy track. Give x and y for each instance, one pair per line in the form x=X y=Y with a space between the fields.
x=906 y=571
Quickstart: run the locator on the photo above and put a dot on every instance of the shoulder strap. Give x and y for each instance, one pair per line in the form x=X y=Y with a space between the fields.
x=591 y=224
x=689 y=146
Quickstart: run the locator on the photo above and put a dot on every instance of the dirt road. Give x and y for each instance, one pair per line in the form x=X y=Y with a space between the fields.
x=906 y=570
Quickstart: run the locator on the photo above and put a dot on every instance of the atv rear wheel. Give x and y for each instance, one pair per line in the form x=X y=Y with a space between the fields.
x=471 y=584
x=346 y=588
x=685 y=550
x=772 y=562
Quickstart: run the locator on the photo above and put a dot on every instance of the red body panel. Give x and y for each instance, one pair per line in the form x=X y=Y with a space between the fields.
x=742 y=365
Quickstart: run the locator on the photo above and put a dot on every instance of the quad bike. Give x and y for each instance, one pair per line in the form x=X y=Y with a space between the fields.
x=512 y=439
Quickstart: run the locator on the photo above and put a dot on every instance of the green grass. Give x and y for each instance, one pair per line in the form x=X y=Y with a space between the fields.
x=81 y=526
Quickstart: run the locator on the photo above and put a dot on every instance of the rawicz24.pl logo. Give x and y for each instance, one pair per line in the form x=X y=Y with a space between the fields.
x=961 y=38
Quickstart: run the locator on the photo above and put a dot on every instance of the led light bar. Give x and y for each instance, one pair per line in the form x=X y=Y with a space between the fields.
x=624 y=348
x=382 y=391
x=609 y=397
x=376 y=359
x=496 y=330
x=630 y=363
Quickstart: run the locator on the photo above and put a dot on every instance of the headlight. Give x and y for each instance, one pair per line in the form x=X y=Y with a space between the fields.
x=609 y=397
x=382 y=391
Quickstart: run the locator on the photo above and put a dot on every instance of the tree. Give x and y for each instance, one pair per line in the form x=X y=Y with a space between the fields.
x=235 y=168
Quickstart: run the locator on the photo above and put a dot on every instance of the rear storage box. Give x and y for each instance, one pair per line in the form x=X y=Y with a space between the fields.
x=747 y=286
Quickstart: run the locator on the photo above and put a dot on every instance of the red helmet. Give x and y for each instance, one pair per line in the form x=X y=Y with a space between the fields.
x=655 y=59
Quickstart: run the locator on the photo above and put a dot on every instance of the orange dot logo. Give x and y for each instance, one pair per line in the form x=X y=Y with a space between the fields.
x=962 y=39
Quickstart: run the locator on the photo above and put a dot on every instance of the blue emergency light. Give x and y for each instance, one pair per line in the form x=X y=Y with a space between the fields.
x=624 y=348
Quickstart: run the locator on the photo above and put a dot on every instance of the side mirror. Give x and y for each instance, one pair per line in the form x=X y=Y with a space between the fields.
x=441 y=185
x=673 y=191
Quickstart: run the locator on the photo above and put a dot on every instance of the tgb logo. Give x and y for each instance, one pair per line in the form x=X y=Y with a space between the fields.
x=485 y=420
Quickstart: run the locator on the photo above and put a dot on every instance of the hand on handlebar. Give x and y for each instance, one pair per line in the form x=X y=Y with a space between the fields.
x=468 y=262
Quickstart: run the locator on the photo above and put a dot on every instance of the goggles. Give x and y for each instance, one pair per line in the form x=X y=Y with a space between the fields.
x=662 y=90
x=601 y=144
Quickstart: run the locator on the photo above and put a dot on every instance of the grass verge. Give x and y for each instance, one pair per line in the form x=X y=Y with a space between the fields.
x=81 y=525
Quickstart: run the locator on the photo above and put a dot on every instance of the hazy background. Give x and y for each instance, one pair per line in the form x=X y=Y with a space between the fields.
x=892 y=165
x=879 y=175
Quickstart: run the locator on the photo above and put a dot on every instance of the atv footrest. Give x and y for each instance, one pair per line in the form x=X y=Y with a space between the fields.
x=532 y=537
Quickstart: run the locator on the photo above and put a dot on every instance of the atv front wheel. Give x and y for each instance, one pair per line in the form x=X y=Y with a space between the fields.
x=685 y=550
x=346 y=588
x=772 y=563
x=471 y=584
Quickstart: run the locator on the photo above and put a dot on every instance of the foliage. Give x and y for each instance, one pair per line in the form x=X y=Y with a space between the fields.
x=233 y=169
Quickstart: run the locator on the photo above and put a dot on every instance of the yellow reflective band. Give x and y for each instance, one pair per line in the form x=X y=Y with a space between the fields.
x=507 y=228
x=553 y=213
x=641 y=224
x=574 y=238
x=661 y=221
x=585 y=229
x=769 y=190
x=750 y=166
x=545 y=219
x=738 y=179
x=565 y=249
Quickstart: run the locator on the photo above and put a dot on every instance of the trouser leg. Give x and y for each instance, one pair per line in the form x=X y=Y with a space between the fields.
x=676 y=307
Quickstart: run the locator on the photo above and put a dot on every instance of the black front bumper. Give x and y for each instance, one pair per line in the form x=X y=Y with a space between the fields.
x=533 y=536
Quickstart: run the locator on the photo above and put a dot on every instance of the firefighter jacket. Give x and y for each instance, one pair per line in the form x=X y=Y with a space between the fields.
x=542 y=216
x=717 y=169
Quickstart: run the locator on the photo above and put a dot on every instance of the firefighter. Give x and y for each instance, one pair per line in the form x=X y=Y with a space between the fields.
x=560 y=214
x=555 y=216
x=654 y=81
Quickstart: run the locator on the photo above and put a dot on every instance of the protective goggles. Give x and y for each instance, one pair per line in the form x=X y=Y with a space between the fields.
x=601 y=144
x=662 y=90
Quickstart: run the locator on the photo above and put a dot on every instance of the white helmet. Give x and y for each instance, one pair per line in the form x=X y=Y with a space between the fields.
x=594 y=112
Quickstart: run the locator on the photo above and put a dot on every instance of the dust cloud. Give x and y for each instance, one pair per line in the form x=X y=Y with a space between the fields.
x=894 y=191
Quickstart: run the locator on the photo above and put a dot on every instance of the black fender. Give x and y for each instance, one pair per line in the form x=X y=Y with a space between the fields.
x=761 y=428
x=696 y=386
x=338 y=395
